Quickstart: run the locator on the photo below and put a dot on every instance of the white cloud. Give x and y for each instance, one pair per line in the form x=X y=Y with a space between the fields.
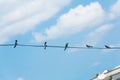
x=18 y=17
x=20 y=78
x=94 y=64
x=115 y=9
x=96 y=35
x=74 y=21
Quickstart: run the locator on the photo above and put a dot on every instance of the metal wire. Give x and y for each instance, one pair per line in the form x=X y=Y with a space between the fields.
x=64 y=47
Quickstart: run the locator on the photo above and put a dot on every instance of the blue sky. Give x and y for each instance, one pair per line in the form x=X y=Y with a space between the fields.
x=79 y=22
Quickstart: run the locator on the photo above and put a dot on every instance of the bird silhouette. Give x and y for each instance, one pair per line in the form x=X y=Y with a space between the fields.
x=106 y=46
x=16 y=43
x=89 y=46
x=45 y=45
x=66 y=46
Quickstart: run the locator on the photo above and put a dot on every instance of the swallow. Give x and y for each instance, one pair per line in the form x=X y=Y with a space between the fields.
x=45 y=45
x=89 y=46
x=66 y=46
x=16 y=43
x=106 y=46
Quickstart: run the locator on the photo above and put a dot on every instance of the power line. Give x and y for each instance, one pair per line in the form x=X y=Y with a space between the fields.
x=66 y=46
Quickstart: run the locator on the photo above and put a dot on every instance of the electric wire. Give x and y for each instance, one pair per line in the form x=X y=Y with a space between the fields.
x=66 y=46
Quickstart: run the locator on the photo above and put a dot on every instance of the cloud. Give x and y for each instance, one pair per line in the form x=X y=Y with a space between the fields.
x=94 y=65
x=20 y=78
x=115 y=11
x=97 y=35
x=19 y=17
x=76 y=20
x=94 y=37
x=79 y=19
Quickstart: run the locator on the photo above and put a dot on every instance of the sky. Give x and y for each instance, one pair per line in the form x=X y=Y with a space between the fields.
x=57 y=22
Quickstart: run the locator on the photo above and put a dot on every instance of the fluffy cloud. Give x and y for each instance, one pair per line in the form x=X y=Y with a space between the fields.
x=96 y=35
x=79 y=19
x=74 y=21
x=115 y=11
x=18 y=17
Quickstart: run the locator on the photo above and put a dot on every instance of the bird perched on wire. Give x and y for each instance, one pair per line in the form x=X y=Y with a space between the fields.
x=66 y=46
x=106 y=46
x=16 y=43
x=89 y=46
x=45 y=45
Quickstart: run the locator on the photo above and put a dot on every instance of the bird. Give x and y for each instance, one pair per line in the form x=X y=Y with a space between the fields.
x=45 y=45
x=89 y=46
x=66 y=46
x=106 y=46
x=16 y=43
